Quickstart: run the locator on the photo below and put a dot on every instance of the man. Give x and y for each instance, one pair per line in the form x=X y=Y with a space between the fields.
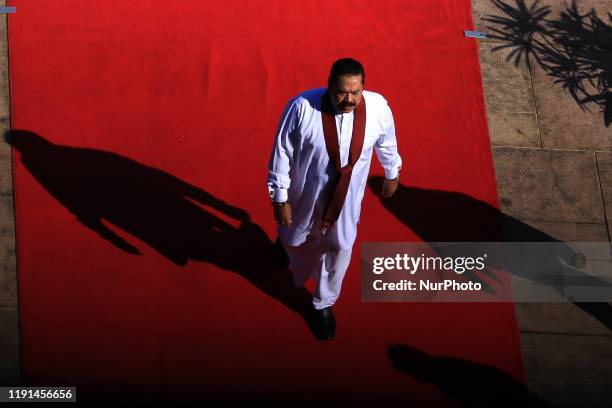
x=317 y=175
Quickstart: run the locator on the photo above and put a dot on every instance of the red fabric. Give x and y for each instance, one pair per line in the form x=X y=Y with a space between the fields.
x=336 y=202
x=149 y=102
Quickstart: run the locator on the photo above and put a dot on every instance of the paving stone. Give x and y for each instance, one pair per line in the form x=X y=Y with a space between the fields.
x=569 y=370
x=563 y=125
x=604 y=166
x=9 y=347
x=8 y=274
x=601 y=7
x=507 y=88
x=572 y=231
x=6 y=172
x=562 y=318
x=481 y=9
x=548 y=185
x=513 y=129
x=9 y=317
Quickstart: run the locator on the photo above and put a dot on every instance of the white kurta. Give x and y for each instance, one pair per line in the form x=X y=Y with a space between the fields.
x=299 y=167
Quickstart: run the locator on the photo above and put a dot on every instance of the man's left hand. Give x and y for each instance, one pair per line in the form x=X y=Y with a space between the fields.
x=389 y=187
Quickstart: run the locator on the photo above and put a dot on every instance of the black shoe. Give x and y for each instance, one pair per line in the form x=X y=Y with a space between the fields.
x=322 y=323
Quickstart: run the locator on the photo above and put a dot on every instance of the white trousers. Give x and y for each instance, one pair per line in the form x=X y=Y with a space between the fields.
x=321 y=259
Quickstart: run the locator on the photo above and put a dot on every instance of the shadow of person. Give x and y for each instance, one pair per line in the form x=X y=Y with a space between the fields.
x=445 y=216
x=470 y=384
x=164 y=211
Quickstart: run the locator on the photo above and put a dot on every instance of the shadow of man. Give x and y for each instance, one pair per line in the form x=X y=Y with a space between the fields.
x=444 y=216
x=470 y=384
x=159 y=209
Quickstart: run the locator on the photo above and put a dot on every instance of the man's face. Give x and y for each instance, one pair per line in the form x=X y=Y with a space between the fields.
x=346 y=94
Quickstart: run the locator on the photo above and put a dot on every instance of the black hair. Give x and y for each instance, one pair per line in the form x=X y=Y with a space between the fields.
x=345 y=66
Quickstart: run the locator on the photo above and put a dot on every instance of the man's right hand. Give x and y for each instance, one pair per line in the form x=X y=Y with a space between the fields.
x=282 y=215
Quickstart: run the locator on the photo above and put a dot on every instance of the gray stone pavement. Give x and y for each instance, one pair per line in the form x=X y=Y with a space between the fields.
x=553 y=164
x=9 y=316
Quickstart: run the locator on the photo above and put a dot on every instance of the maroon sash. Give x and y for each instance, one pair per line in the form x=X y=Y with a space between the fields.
x=341 y=183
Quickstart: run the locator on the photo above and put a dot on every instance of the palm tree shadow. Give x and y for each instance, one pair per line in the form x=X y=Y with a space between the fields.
x=574 y=49
x=164 y=211
x=444 y=216
x=469 y=384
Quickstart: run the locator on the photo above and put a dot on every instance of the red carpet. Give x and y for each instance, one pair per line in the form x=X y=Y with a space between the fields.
x=147 y=102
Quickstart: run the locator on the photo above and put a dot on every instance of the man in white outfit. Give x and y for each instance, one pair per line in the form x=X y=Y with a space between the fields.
x=317 y=176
